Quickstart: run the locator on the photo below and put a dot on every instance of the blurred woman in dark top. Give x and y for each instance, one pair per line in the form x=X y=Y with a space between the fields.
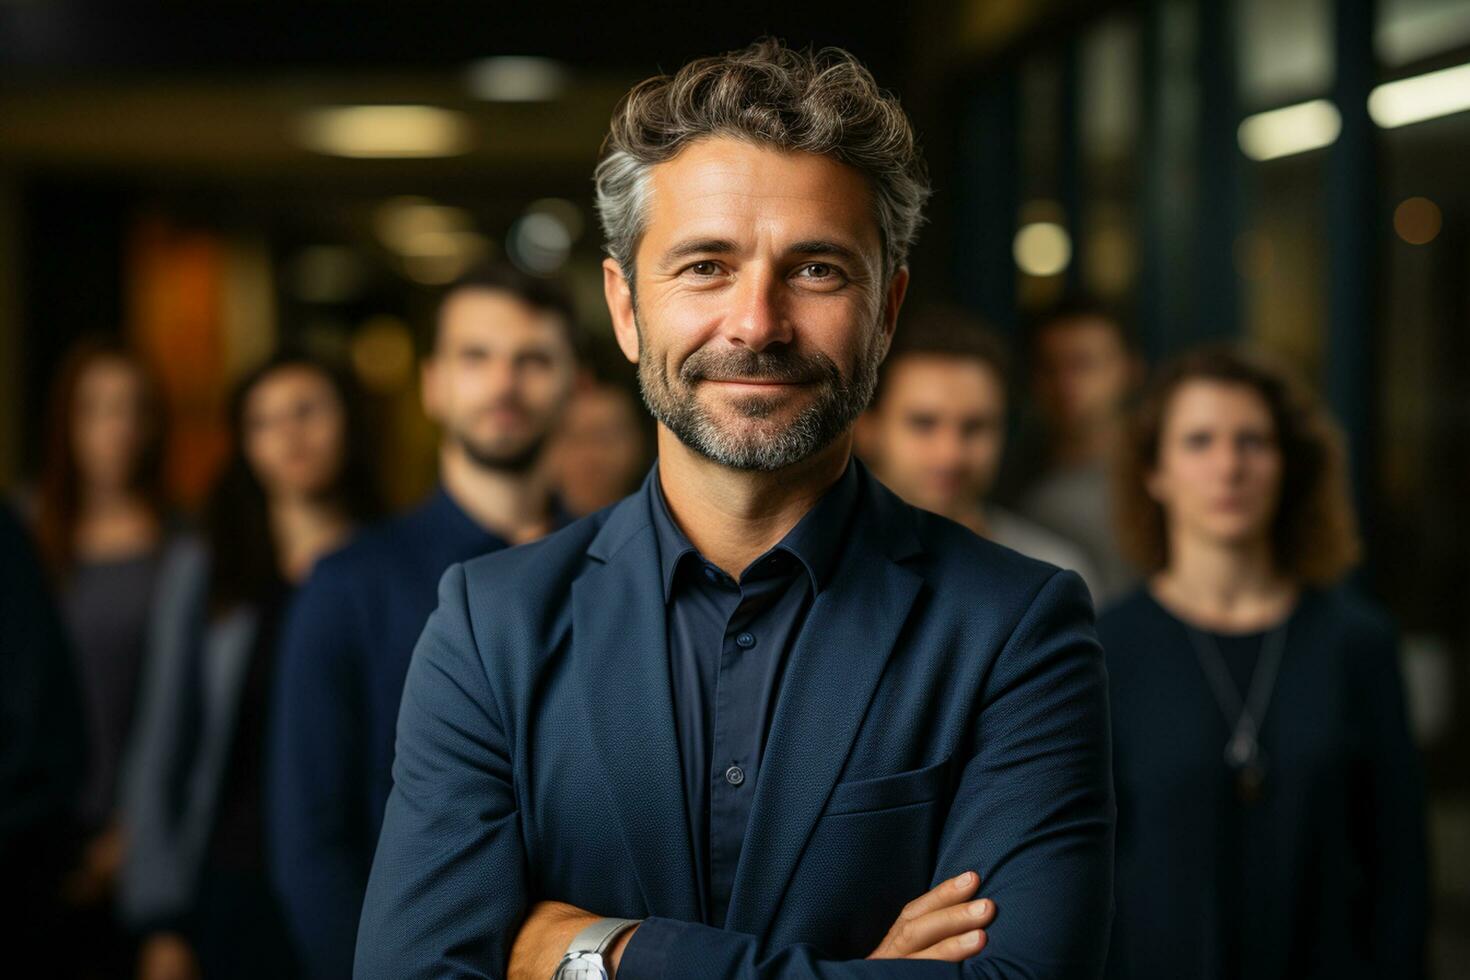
x=298 y=483
x=1270 y=803
x=101 y=524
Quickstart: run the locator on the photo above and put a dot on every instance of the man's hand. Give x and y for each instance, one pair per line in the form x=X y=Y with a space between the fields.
x=92 y=880
x=167 y=956
x=548 y=930
x=942 y=924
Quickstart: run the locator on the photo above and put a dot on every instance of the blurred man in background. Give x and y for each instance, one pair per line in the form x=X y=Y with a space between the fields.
x=602 y=449
x=936 y=432
x=502 y=367
x=1084 y=370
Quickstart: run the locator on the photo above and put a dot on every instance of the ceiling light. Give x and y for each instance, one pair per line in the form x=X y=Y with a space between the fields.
x=1417 y=220
x=1411 y=100
x=439 y=257
x=402 y=220
x=516 y=79
x=1042 y=248
x=384 y=131
x=539 y=243
x=1294 y=129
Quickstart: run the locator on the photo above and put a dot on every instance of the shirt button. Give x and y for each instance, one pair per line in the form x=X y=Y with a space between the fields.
x=734 y=775
x=745 y=641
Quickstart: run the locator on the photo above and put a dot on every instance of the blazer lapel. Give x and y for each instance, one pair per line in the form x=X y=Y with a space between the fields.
x=834 y=671
x=618 y=639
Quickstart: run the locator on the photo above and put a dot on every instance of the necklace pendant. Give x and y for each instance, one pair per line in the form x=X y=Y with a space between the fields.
x=1240 y=751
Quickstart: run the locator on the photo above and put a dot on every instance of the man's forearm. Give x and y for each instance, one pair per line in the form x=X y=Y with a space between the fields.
x=946 y=923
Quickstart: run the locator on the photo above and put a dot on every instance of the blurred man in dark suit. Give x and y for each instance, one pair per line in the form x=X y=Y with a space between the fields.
x=502 y=368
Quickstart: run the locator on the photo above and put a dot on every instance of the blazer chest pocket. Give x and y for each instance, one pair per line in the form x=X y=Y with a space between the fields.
x=889 y=792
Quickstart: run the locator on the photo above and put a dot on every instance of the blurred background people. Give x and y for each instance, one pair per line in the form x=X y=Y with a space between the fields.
x=42 y=762
x=602 y=447
x=218 y=180
x=498 y=378
x=298 y=483
x=1270 y=805
x=1083 y=371
x=935 y=432
x=102 y=522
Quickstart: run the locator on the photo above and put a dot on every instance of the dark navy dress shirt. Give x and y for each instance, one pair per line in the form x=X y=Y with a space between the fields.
x=728 y=645
x=344 y=656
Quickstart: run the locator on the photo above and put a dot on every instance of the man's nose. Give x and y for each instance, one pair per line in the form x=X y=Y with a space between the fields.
x=1230 y=462
x=501 y=374
x=759 y=318
x=951 y=449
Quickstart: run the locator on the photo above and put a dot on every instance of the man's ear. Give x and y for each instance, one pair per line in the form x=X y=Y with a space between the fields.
x=898 y=287
x=429 y=387
x=619 y=294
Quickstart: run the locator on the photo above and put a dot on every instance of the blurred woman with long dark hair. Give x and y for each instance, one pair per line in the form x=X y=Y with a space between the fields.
x=298 y=483
x=102 y=524
x=1270 y=805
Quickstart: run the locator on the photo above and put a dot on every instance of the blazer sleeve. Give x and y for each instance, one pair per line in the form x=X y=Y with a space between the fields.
x=448 y=885
x=155 y=886
x=1033 y=813
x=319 y=850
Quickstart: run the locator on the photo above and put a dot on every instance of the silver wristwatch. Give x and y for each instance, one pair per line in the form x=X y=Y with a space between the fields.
x=583 y=960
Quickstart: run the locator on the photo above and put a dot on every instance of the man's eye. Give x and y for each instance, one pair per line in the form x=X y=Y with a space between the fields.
x=705 y=268
x=821 y=275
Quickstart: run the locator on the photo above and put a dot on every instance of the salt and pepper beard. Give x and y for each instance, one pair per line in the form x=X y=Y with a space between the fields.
x=770 y=447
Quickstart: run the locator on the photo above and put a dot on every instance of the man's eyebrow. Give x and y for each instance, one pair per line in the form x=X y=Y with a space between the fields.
x=698 y=246
x=819 y=246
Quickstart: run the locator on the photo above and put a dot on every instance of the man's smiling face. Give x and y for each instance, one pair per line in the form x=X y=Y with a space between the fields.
x=762 y=312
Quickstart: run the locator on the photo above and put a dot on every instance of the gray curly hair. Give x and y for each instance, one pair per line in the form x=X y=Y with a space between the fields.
x=822 y=102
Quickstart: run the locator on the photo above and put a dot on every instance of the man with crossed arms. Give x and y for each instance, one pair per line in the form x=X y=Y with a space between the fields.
x=732 y=726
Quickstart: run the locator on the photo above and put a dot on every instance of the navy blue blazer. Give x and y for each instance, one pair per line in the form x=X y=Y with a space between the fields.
x=944 y=709
x=344 y=654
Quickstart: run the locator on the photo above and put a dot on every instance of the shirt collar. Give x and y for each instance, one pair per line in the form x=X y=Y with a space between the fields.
x=815 y=541
x=448 y=516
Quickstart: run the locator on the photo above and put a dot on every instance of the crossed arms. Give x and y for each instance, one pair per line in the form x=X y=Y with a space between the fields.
x=1033 y=813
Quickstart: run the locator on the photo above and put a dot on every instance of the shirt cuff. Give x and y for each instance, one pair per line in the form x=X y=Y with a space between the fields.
x=647 y=953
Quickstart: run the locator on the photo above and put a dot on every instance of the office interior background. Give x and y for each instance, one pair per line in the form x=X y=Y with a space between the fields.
x=208 y=181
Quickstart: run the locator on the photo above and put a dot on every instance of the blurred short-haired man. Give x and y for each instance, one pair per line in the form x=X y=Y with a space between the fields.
x=1084 y=370
x=602 y=449
x=936 y=432
x=497 y=379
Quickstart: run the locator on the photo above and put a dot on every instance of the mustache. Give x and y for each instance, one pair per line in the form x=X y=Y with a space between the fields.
x=742 y=364
x=500 y=404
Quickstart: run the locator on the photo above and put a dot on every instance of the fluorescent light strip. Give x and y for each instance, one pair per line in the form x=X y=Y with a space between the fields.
x=384 y=131
x=1411 y=100
x=1294 y=129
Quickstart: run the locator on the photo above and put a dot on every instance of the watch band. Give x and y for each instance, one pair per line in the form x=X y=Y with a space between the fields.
x=597 y=937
